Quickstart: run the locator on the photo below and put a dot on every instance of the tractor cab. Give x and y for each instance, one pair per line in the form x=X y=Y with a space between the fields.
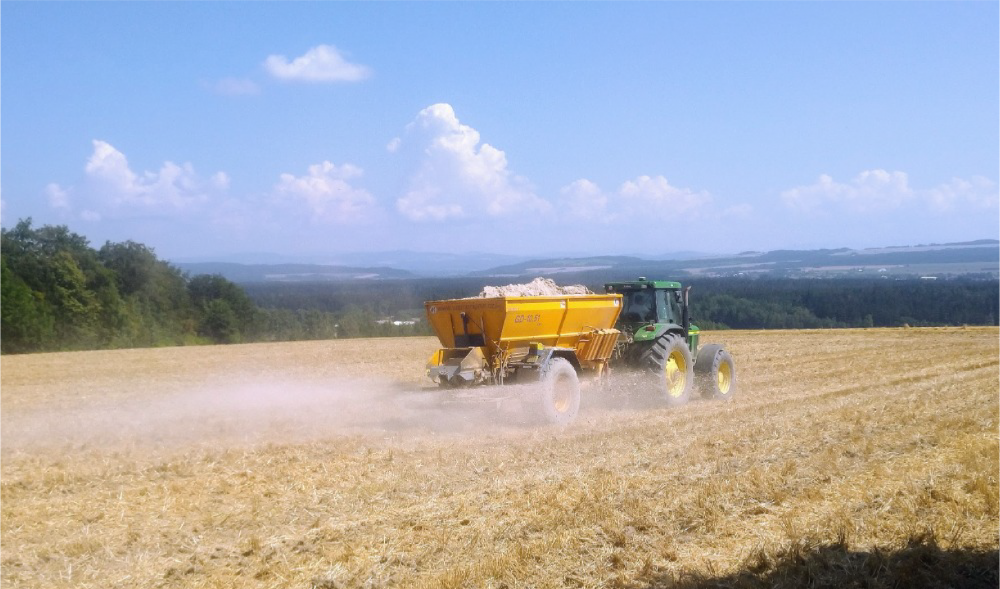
x=651 y=308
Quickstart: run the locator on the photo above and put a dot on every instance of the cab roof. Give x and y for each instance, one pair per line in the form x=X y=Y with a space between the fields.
x=641 y=283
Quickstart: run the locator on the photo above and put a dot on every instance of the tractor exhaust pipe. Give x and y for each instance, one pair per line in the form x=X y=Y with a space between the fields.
x=685 y=312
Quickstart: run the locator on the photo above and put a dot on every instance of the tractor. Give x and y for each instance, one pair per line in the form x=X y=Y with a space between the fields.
x=657 y=337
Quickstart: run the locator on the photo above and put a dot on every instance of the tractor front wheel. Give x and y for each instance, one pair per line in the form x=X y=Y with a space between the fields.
x=669 y=358
x=715 y=373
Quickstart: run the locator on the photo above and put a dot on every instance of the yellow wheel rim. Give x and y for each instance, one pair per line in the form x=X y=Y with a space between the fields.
x=676 y=374
x=725 y=378
x=561 y=398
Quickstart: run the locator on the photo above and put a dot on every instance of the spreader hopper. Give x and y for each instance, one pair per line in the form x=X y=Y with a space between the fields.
x=494 y=338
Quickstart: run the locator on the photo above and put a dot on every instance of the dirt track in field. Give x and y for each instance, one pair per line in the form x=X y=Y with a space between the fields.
x=326 y=464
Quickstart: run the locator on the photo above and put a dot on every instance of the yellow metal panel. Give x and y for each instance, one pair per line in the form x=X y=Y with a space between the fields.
x=436 y=359
x=533 y=319
x=445 y=317
x=505 y=321
x=597 y=345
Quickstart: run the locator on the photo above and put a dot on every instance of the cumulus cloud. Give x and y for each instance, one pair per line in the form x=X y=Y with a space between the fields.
x=585 y=200
x=109 y=166
x=643 y=197
x=656 y=196
x=173 y=187
x=322 y=63
x=977 y=193
x=456 y=174
x=112 y=189
x=327 y=193
x=880 y=190
x=871 y=190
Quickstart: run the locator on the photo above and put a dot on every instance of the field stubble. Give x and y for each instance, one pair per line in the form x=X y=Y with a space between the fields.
x=867 y=456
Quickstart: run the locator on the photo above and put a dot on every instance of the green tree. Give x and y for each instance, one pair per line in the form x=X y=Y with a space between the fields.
x=206 y=288
x=26 y=322
x=76 y=307
x=65 y=271
x=133 y=263
x=159 y=309
x=219 y=322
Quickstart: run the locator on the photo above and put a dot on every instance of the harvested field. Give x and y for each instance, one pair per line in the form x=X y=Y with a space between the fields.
x=849 y=458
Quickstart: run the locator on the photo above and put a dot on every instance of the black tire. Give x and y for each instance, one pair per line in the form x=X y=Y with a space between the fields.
x=559 y=397
x=669 y=358
x=715 y=373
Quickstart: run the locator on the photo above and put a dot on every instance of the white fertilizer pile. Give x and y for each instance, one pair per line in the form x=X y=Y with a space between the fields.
x=535 y=288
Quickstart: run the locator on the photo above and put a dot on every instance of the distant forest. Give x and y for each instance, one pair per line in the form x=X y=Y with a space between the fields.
x=59 y=293
x=716 y=303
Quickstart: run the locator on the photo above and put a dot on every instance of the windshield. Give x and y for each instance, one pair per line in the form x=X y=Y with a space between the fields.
x=661 y=306
x=639 y=306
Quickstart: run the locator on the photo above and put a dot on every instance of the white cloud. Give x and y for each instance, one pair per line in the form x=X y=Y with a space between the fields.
x=655 y=196
x=235 y=87
x=58 y=196
x=585 y=200
x=322 y=63
x=173 y=188
x=643 y=197
x=871 y=190
x=327 y=194
x=457 y=175
x=112 y=189
x=220 y=180
x=979 y=193
x=880 y=190
x=110 y=166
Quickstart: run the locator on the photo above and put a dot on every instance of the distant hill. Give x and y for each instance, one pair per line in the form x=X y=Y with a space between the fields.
x=980 y=257
x=563 y=266
x=244 y=273
x=421 y=263
x=429 y=264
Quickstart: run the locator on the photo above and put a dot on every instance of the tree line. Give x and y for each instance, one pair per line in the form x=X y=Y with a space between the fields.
x=774 y=303
x=59 y=293
x=716 y=303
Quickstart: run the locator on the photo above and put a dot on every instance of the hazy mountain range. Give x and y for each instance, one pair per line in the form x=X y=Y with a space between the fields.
x=981 y=257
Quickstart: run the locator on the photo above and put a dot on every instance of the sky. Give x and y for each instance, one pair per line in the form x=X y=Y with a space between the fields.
x=208 y=129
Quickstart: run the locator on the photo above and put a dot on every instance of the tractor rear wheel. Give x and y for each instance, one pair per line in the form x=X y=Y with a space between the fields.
x=559 y=398
x=715 y=373
x=669 y=358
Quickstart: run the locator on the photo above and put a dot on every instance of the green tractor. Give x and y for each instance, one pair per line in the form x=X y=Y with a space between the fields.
x=657 y=336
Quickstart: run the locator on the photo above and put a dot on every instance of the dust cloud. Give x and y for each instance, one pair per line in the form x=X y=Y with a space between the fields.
x=263 y=411
x=229 y=412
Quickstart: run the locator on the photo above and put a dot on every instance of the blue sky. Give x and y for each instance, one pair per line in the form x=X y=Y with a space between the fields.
x=206 y=129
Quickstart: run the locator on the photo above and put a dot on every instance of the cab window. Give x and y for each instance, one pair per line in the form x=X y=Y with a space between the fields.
x=639 y=306
x=663 y=307
x=668 y=308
